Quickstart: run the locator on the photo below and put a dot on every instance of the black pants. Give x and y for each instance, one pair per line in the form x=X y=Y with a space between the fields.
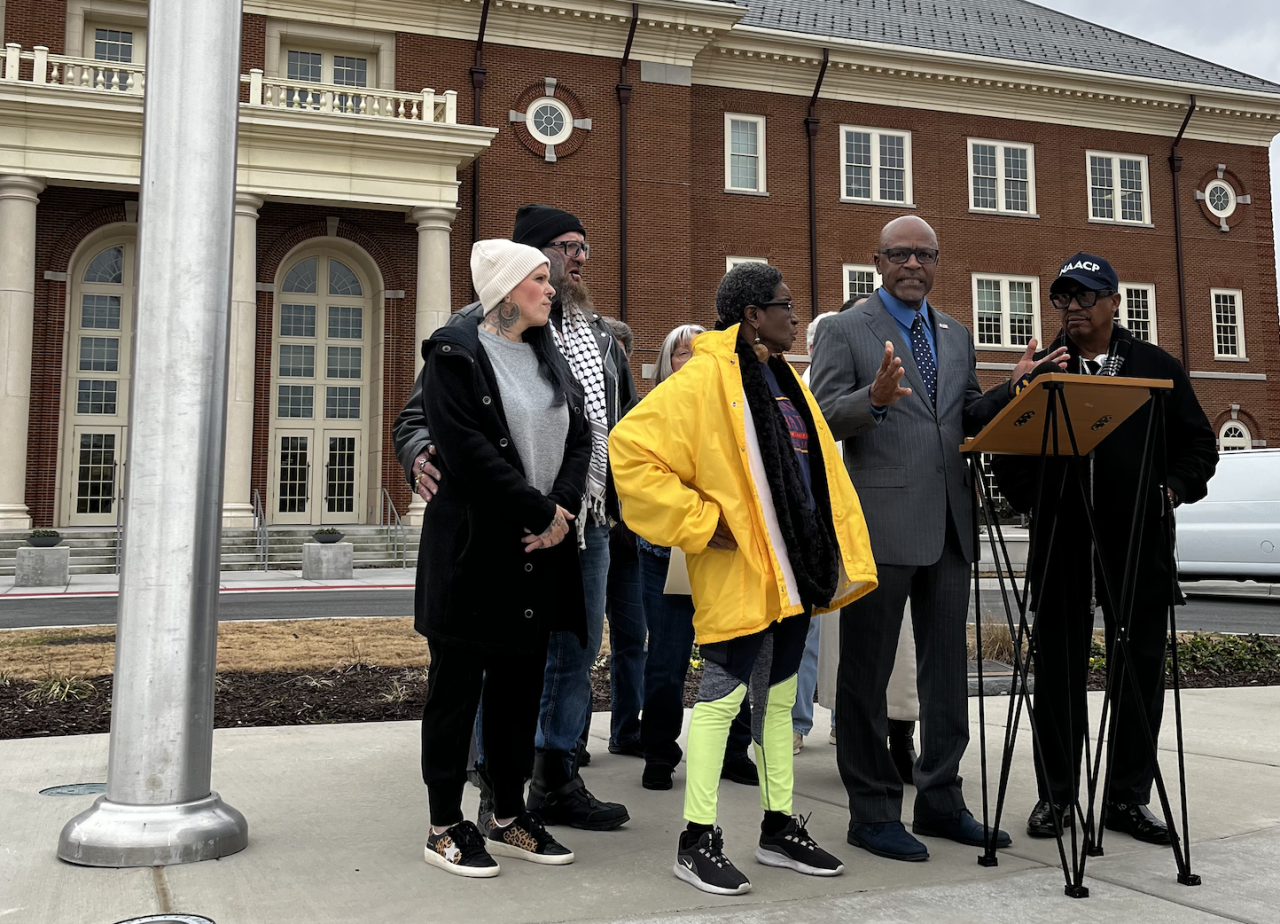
x=1063 y=637
x=511 y=686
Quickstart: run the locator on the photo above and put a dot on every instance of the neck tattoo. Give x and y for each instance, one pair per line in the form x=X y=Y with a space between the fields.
x=502 y=320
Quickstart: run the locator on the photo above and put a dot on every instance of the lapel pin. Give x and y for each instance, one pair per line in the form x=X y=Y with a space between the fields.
x=943 y=326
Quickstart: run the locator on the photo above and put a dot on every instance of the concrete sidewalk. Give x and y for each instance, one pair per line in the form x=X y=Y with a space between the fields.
x=338 y=817
x=107 y=584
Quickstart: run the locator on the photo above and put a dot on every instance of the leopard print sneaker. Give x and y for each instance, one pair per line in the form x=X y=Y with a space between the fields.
x=526 y=839
x=459 y=849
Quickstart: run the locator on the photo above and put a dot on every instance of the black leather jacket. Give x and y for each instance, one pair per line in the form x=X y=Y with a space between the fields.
x=410 y=433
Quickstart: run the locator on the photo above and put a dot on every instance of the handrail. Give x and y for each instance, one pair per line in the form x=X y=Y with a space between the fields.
x=119 y=492
x=70 y=71
x=394 y=529
x=261 y=538
x=281 y=93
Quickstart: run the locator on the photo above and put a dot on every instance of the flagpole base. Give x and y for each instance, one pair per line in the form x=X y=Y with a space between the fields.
x=116 y=835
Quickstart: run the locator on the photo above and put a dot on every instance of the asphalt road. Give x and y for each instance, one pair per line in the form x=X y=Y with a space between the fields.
x=1201 y=613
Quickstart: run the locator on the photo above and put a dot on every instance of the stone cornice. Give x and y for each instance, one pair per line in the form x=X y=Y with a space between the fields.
x=776 y=62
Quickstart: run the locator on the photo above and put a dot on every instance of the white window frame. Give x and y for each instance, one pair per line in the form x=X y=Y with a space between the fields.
x=908 y=194
x=86 y=16
x=1004 y=279
x=1150 y=289
x=1244 y=427
x=1116 y=157
x=861 y=268
x=1232 y=198
x=1001 y=208
x=731 y=262
x=378 y=48
x=762 y=184
x=1240 y=355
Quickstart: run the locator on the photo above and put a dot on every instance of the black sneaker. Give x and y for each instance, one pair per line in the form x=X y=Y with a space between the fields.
x=632 y=749
x=704 y=866
x=573 y=805
x=656 y=776
x=459 y=849
x=740 y=770
x=526 y=839
x=793 y=848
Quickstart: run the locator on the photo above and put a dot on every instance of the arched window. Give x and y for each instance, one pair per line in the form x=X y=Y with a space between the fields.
x=1233 y=436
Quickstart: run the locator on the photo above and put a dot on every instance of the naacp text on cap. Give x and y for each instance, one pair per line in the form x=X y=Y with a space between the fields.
x=1081 y=265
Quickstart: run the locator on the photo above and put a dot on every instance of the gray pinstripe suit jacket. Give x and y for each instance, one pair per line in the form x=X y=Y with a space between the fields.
x=906 y=466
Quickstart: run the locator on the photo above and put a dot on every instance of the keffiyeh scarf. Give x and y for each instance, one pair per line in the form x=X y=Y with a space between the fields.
x=578 y=344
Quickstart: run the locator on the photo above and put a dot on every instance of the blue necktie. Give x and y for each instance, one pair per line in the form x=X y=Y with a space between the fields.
x=924 y=357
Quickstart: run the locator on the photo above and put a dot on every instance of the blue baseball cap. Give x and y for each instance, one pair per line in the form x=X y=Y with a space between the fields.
x=1090 y=271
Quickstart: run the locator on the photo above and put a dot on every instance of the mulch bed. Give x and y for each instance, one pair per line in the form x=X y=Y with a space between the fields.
x=354 y=694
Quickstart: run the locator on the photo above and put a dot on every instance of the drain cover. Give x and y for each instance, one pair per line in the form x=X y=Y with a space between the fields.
x=169 y=919
x=75 y=789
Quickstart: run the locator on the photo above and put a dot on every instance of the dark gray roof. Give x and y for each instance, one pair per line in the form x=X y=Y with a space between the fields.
x=1013 y=29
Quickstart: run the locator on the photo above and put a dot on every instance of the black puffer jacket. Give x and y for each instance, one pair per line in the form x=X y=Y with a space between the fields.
x=477 y=587
x=1188 y=465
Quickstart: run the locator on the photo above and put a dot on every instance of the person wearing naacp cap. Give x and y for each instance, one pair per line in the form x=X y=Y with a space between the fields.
x=896 y=381
x=1086 y=297
x=498 y=568
x=558 y=792
x=731 y=461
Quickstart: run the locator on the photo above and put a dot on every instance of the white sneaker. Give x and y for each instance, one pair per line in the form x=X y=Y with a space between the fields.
x=797 y=742
x=831 y=738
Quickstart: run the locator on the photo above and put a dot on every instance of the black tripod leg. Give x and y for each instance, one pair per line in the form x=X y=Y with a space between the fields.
x=988 y=855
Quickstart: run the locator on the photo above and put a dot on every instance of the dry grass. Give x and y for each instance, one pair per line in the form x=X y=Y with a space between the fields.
x=277 y=645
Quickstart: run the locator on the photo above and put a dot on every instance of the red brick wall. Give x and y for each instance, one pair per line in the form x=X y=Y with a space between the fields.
x=36 y=22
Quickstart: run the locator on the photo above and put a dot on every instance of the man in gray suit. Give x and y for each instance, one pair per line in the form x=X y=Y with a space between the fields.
x=902 y=452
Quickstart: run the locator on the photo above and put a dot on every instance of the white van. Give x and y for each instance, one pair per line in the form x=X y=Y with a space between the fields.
x=1234 y=533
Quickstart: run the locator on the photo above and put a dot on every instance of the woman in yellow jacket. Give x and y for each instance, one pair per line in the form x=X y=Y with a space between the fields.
x=731 y=461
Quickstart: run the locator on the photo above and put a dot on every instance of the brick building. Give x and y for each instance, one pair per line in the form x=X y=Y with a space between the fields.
x=1021 y=134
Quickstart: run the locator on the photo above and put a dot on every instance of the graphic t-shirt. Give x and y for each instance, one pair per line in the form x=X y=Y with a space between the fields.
x=796 y=426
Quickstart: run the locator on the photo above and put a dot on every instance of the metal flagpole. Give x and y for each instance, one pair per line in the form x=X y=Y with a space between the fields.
x=158 y=808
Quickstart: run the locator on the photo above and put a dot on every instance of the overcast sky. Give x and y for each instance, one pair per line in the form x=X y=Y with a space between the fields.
x=1240 y=34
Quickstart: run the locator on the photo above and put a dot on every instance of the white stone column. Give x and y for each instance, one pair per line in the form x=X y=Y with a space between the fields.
x=18 y=198
x=237 y=496
x=434 y=297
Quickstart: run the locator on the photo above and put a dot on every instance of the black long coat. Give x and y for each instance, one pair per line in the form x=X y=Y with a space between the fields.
x=477 y=587
x=1192 y=456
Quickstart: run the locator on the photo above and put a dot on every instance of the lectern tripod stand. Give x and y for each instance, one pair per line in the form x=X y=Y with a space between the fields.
x=1067 y=416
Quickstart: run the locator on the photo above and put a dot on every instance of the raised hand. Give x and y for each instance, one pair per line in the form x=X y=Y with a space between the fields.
x=1029 y=362
x=886 y=390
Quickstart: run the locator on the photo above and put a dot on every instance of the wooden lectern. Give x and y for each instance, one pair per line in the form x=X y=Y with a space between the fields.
x=1067 y=416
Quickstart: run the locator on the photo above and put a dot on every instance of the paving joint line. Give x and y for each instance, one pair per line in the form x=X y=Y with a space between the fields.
x=1194 y=906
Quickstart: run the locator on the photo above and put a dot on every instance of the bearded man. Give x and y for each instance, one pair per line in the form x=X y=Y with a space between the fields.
x=557 y=792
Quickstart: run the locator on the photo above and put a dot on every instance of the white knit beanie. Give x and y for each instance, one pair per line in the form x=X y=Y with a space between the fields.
x=498 y=266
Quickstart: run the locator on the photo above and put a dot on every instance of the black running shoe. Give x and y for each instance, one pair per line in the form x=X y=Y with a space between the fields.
x=459 y=849
x=794 y=848
x=656 y=776
x=573 y=805
x=526 y=839
x=704 y=866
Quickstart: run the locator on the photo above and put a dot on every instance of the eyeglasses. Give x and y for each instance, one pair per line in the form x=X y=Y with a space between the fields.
x=573 y=248
x=927 y=256
x=788 y=304
x=1085 y=298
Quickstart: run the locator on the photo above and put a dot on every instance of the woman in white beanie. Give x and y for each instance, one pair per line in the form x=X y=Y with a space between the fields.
x=498 y=563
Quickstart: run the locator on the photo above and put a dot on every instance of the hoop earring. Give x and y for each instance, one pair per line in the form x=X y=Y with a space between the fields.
x=761 y=351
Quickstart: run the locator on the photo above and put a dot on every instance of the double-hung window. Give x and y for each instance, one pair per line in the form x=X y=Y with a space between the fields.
x=1119 y=188
x=1006 y=311
x=1228 y=327
x=744 y=153
x=322 y=67
x=875 y=165
x=860 y=281
x=1138 y=309
x=1002 y=177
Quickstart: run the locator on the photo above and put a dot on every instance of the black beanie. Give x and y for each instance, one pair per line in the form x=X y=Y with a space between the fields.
x=538 y=225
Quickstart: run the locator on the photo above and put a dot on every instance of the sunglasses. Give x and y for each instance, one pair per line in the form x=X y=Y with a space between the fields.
x=1085 y=298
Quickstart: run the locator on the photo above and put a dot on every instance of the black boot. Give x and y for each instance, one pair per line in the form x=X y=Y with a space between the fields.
x=902 y=747
x=558 y=796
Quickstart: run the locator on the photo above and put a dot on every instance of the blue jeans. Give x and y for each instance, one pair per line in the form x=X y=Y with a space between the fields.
x=566 y=689
x=806 y=683
x=670 y=621
x=627 y=652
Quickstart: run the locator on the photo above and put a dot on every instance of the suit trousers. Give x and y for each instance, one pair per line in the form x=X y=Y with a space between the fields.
x=1063 y=637
x=511 y=686
x=869 y=630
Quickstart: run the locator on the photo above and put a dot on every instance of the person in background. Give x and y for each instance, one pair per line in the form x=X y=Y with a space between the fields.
x=669 y=617
x=625 y=613
x=772 y=533
x=498 y=568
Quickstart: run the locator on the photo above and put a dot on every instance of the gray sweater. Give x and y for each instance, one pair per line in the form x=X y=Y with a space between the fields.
x=539 y=430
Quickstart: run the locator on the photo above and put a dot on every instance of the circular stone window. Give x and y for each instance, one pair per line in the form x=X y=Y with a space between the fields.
x=1220 y=198
x=549 y=120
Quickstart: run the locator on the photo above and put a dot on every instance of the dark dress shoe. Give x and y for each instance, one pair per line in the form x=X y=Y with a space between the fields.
x=740 y=770
x=1136 y=821
x=888 y=839
x=1040 y=824
x=902 y=748
x=632 y=749
x=584 y=756
x=960 y=827
x=656 y=776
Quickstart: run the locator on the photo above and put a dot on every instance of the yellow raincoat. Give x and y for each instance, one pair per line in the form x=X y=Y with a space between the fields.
x=686 y=454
